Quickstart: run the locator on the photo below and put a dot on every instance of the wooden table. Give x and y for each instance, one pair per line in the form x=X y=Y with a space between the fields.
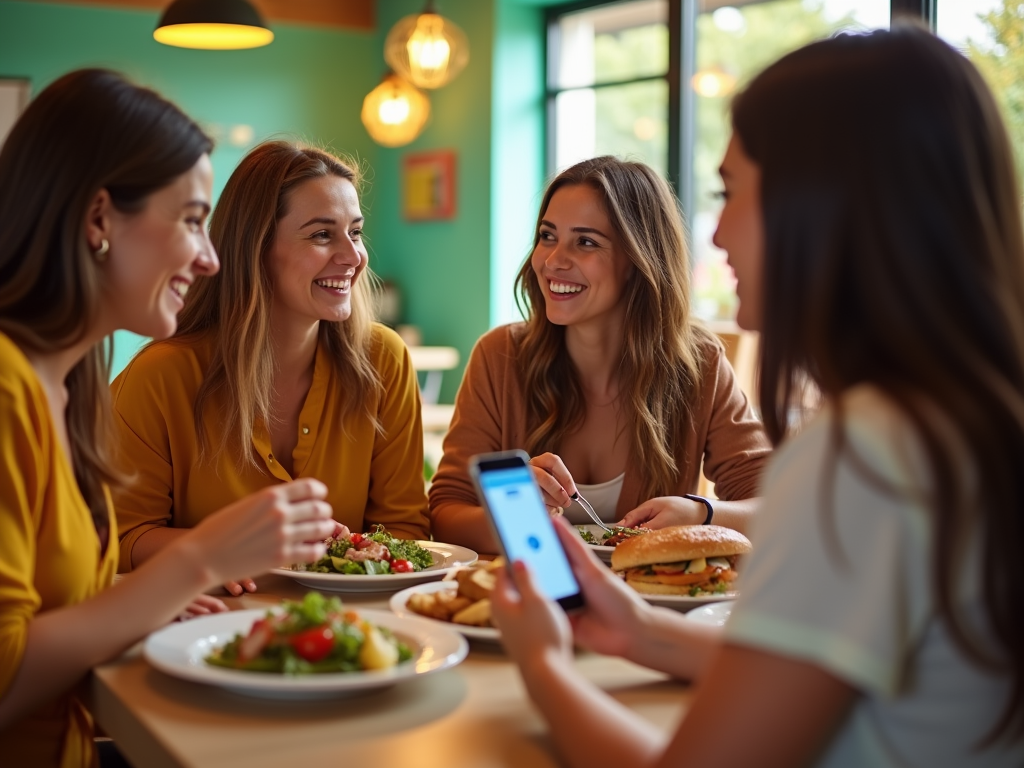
x=476 y=714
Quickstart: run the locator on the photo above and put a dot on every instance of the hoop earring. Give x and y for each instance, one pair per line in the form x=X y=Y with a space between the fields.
x=101 y=254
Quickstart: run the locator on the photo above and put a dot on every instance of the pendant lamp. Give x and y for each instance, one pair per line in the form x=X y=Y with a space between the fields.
x=212 y=24
x=395 y=112
x=428 y=50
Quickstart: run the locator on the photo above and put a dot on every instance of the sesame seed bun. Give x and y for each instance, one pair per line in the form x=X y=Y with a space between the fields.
x=673 y=545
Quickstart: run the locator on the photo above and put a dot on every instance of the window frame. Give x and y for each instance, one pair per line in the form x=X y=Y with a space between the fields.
x=682 y=62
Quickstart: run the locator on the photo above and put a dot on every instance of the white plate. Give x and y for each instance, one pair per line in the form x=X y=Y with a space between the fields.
x=447 y=557
x=685 y=602
x=714 y=615
x=398 y=605
x=180 y=650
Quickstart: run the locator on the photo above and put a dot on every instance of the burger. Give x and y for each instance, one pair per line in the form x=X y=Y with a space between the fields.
x=684 y=560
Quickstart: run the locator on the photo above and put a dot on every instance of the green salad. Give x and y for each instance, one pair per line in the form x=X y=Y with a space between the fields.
x=313 y=636
x=612 y=538
x=370 y=554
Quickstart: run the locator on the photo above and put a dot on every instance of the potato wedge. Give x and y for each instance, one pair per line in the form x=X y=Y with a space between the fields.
x=476 y=615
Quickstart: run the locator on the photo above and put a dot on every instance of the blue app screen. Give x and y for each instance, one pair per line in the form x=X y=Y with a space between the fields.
x=527 y=532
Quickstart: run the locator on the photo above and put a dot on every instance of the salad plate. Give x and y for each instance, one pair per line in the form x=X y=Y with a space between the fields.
x=400 y=599
x=180 y=650
x=601 y=550
x=446 y=557
x=714 y=615
x=685 y=602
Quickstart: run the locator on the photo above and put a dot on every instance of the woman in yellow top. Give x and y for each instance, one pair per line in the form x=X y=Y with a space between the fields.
x=104 y=192
x=277 y=370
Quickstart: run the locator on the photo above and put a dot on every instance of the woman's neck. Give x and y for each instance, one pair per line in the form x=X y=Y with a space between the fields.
x=53 y=368
x=294 y=346
x=596 y=351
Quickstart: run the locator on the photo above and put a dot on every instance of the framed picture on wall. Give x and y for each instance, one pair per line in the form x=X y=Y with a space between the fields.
x=428 y=185
x=13 y=100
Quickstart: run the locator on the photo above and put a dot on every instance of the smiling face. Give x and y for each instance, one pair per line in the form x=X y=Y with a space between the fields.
x=579 y=260
x=741 y=231
x=318 y=252
x=157 y=253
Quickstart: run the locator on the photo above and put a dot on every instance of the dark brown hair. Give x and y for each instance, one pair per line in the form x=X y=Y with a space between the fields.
x=662 y=354
x=234 y=305
x=894 y=257
x=87 y=131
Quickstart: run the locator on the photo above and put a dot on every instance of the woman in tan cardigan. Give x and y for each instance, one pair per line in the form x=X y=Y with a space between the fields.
x=609 y=384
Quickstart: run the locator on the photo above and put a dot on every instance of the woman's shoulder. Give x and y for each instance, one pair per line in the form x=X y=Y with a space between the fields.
x=875 y=430
x=386 y=347
x=18 y=380
x=501 y=341
x=178 y=359
x=709 y=348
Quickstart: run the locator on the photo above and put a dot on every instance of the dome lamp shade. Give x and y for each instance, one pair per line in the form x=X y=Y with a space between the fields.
x=212 y=25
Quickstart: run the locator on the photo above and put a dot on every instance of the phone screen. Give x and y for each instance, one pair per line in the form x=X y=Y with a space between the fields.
x=521 y=522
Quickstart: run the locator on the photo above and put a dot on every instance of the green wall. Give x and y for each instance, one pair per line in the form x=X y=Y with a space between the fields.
x=308 y=84
x=517 y=162
x=442 y=268
x=455 y=275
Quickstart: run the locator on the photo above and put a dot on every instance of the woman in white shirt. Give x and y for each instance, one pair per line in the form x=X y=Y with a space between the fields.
x=874 y=225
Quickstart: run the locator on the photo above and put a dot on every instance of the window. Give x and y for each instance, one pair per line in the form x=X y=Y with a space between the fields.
x=989 y=33
x=612 y=62
x=611 y=66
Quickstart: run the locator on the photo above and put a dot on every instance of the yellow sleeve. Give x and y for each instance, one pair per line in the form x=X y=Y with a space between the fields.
x=22 y=491
x=143 y=451
x=397 y=494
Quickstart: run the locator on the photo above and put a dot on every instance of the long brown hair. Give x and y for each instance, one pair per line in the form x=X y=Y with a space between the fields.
x=234 y=305
x=87 y=131
x=894 y=256
x=661 y=356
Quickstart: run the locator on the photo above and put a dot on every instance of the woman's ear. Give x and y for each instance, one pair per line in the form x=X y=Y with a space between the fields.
x=98 y=220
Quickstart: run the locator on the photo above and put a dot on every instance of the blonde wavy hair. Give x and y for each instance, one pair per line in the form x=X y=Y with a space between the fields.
x=662 y=355
x=234 y=305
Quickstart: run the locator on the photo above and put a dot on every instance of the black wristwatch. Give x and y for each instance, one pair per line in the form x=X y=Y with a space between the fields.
x=705 y=502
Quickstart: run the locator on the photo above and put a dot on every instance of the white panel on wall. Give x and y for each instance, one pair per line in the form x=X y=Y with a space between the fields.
x=13 y=98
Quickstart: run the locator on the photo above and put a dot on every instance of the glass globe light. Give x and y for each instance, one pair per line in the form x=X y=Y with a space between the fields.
x=395 y=112
x=428 y=50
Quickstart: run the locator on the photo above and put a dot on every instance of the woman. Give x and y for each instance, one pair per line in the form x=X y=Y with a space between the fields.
x=873 y=223
x=609 y=383
x=277 y=370
x=104 y=192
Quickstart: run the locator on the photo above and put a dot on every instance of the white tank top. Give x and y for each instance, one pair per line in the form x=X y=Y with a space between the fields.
x=603 y=497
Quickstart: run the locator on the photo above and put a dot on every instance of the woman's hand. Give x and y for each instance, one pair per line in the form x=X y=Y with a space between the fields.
x=533 y=628
x=278 y=525
x=236 y=588
x=664 y=512
x=554 y=480
x=203 y=606
x=611 y=619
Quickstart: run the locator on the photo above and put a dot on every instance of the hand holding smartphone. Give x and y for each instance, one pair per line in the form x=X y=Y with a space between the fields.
x=521 y=524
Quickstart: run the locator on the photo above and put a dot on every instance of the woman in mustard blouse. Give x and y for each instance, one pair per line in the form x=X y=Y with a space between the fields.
x=104 y=192
x=277 y=370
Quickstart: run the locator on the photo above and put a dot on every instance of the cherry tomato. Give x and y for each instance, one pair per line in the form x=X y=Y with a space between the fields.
x=313 y=644
x=401 y=566
x=355 y=538
x=387 y=554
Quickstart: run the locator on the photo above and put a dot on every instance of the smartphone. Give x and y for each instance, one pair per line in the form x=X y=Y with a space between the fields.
x=521 y=524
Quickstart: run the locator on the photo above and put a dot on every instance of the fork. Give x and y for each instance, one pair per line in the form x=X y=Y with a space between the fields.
x=578 y=498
